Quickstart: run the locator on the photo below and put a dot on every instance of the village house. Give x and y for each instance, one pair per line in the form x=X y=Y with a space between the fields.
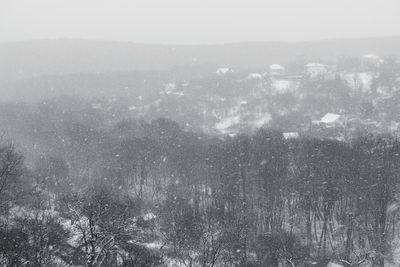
x=224 y=71
x=316 y=70
x=276 y=69
x=330 y=120
x=371 y=61
x=291 y=135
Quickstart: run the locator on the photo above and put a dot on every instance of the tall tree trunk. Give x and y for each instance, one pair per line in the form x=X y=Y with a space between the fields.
x=349 y=240
x=308 y=227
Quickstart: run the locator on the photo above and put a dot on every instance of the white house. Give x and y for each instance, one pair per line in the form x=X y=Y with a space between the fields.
x=170 y=87
x=315 y=70
x=254 y=76
x=359 y=80
x=276 y=69
x=291 y=135
x=331 y=120
x=371 y=60
x=224 y=71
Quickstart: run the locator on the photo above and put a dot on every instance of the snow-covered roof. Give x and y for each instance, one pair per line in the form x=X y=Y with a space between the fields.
x=96 y=106
x=330 y=117
x=315 y=65
x=394 y=126
x=223 y=71
x=255 y=76
x=276 y=67
x=260 y=120
x=132 y=107
x=371 y=56
x=170 y=87
x=149 y=216
x=291 y=135
x=226 y=123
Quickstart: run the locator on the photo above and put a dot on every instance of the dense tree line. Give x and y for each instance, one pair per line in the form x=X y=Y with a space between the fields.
x=142 y=193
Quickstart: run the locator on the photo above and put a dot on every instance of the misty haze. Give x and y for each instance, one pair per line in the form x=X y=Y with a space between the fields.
x=190 y=133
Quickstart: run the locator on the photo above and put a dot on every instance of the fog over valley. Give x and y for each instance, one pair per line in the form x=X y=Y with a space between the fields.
x=199 y=133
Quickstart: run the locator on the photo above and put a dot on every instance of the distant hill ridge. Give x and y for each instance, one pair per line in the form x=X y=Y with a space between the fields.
x=27 y=59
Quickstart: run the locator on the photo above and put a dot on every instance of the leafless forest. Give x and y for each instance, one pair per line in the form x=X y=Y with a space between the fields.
x=242 y=154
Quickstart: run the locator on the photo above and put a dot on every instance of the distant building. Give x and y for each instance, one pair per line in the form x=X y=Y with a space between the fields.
x=97 y=106
x=291 y=135
x=254 y=76
x=371 y=60
x=224 y=71
x=394 y=126
x=276 y=69
x=316 y=70
x=170 y=87
x=359 y=81
x=331 y=120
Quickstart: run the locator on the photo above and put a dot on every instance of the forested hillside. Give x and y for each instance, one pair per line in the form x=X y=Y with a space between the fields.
x=28 y=59
x=77 y=189
x=218 y=163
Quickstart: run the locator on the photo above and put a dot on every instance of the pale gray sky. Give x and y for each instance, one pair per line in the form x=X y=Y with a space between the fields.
x=198 y=21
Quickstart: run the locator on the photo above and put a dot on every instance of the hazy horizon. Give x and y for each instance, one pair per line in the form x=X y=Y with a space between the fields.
x=197 y=22
x=294 y=42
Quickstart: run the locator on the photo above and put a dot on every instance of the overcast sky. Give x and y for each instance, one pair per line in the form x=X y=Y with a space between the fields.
x=198 y=21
